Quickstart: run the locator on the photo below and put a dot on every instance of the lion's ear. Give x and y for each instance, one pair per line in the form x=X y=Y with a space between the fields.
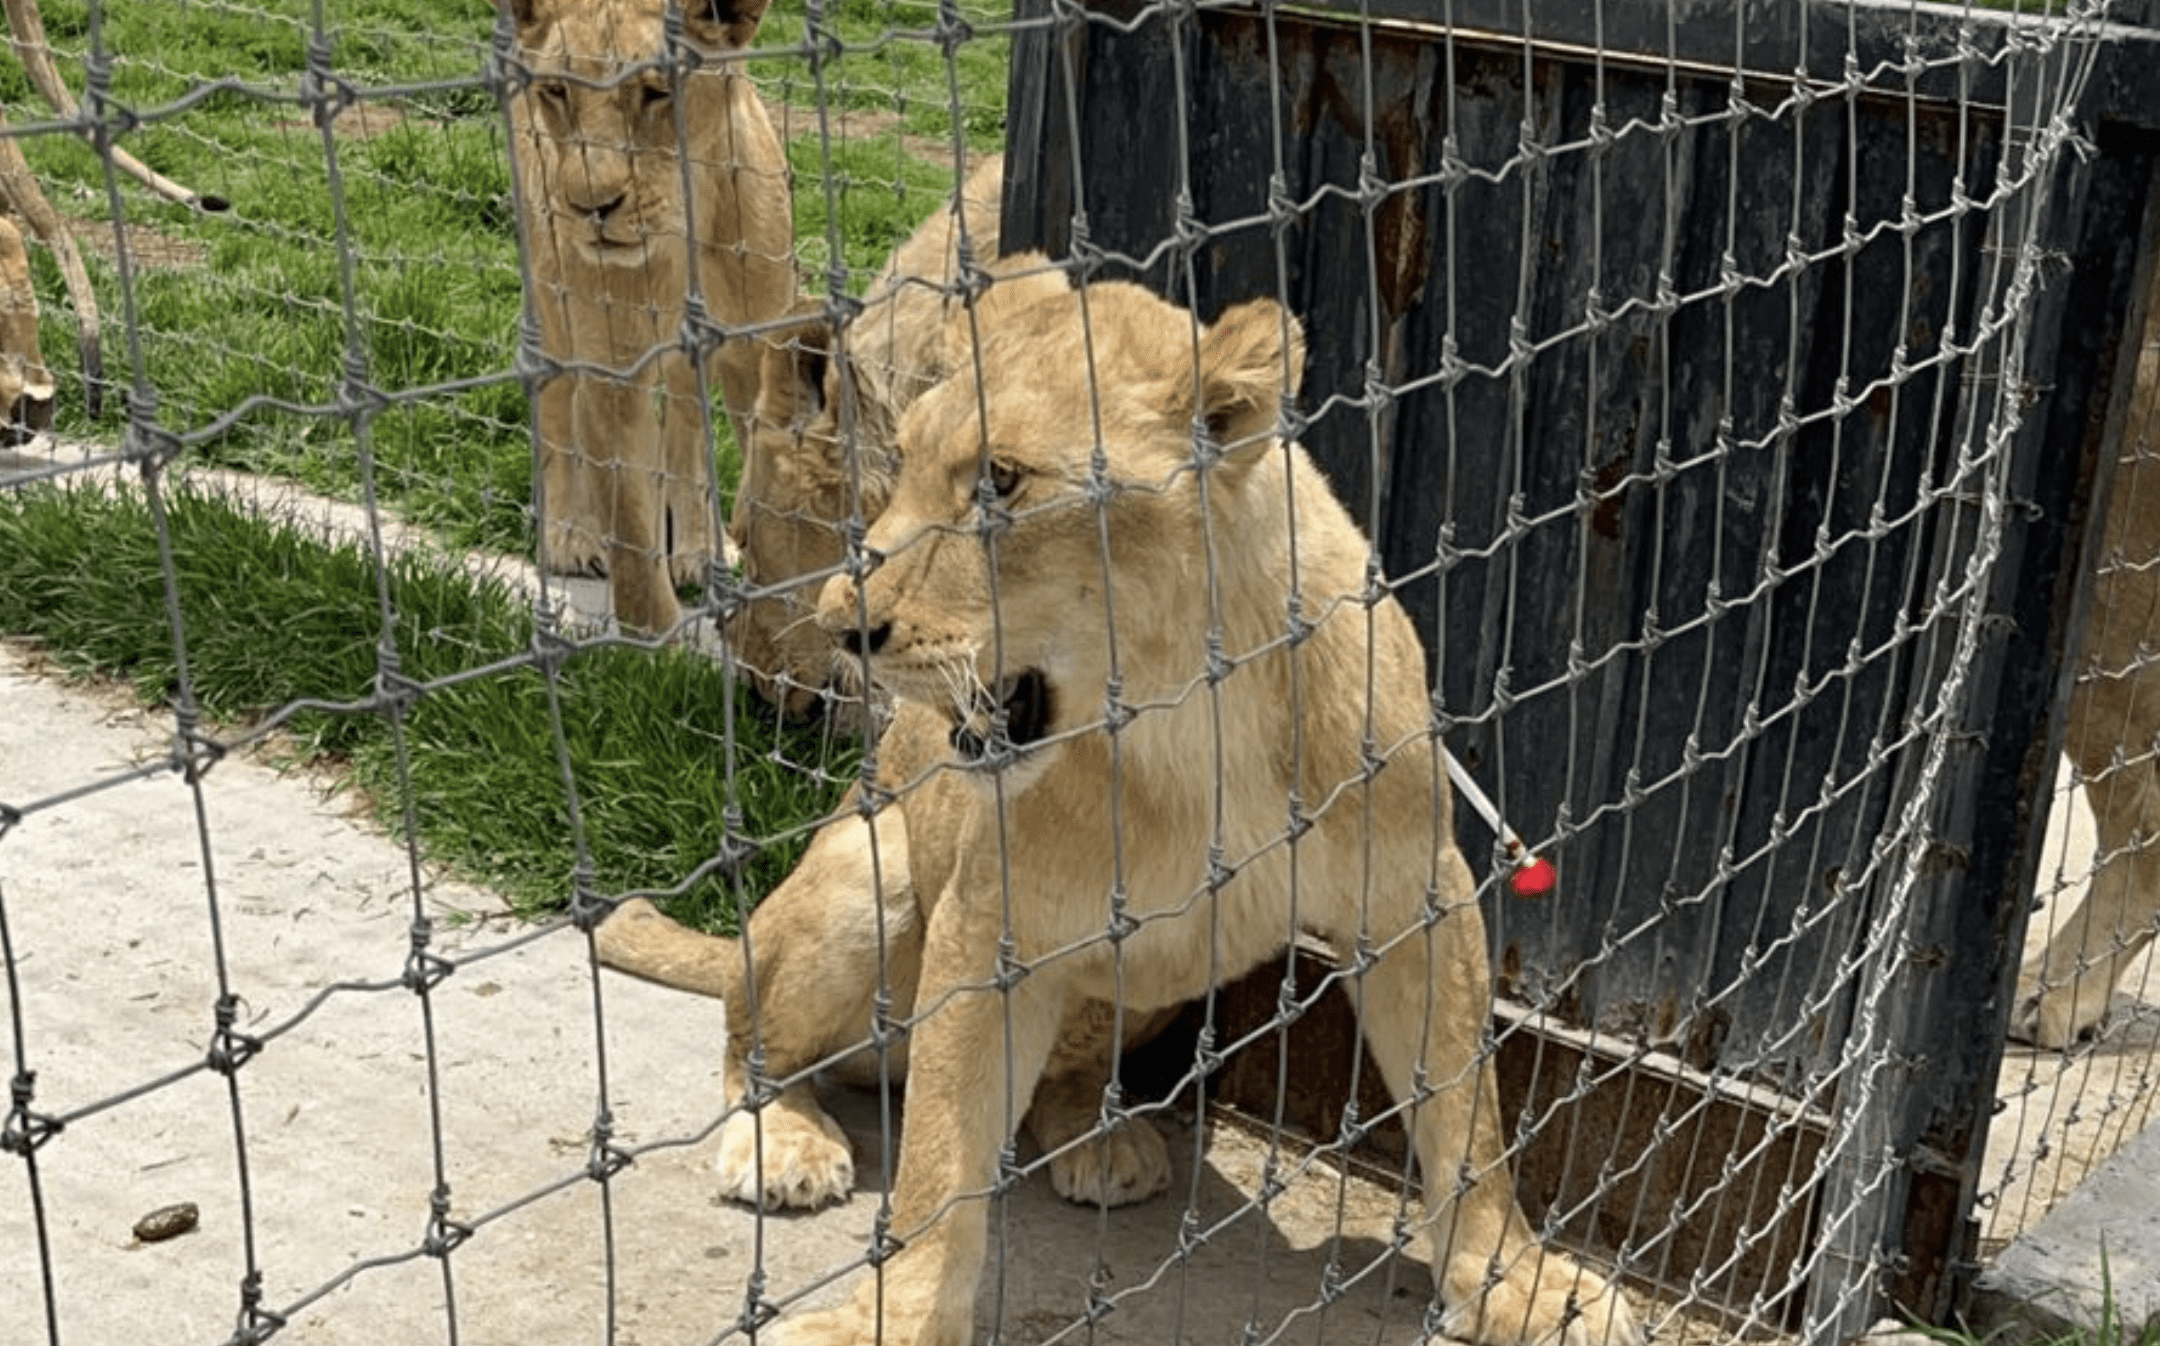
x=792 y=377
x=523 y=13
x=1250 y=359
x=730 y=24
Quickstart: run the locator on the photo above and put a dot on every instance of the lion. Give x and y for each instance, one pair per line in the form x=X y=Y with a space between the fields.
x=2112 y=736
x=823 y=445
x=803 y=988
x=847 y=921
x=599 y=132
x=1182 y=719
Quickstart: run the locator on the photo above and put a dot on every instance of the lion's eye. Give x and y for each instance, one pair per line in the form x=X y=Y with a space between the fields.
x=652 y=97
x=552 y=91
x=1005 y=477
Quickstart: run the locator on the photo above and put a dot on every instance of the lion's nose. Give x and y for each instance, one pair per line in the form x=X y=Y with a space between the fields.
x=859 y=641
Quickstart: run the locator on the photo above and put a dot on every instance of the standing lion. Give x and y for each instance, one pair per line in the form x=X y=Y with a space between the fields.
x=2113 y=735
x=607 y=131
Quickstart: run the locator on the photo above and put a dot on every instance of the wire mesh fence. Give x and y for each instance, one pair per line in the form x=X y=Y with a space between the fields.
x=592 y=434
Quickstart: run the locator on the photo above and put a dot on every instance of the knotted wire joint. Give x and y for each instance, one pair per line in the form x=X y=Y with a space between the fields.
x=323 y=92
x=606 y=1158
x=255 y=1323
x=26 y=1131
x=230 y=1048
x=424 y=971
x=444 y=1235
x=587 y=908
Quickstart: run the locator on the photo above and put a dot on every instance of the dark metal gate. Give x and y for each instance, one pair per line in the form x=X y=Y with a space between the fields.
x=1725 y=387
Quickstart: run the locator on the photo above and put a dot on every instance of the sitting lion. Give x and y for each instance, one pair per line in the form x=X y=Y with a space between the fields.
x=823 y=445
x=850 y=906
x=598 y=138
x=2113 y=735
x=1178 y=721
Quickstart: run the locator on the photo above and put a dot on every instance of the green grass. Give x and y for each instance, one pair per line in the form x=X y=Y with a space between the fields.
x=240 y=325
x=2112 y=1329
x=256 y=310
x=273 y=616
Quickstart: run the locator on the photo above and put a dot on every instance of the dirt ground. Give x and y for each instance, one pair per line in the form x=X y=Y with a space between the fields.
x=107 y=910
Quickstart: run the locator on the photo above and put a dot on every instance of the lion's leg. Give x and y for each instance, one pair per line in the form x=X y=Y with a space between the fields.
x=1129 y=1164
x=2113 y=722
x=976 y=1052
x=2113 y=725
x=2066 y=992
x=1425 y=1003
x=571 y=528
x=739 y=368
x=620 y=416
x=821 y=955
x=686 y=479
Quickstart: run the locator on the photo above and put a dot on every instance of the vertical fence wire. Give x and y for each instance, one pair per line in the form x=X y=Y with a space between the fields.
x=1695 y=445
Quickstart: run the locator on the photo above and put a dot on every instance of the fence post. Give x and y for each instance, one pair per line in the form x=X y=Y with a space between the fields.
x=1907 y=1158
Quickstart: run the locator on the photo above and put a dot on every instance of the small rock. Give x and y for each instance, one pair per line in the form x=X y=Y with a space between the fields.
x=168 y=1222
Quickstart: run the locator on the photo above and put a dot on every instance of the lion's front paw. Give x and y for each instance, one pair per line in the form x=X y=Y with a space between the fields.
x=2055 y=1014
x=1130 y=1164
x=690 y=569
x=1548 y=1300
x=575 y=549
x=807 y=1160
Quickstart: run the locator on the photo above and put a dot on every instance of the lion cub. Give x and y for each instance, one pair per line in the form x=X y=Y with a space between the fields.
x=1184 y=720
x=824 y=444
x=847 y=922
x=604 y=136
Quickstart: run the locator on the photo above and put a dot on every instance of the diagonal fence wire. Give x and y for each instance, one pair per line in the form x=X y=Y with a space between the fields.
x=1842 y=960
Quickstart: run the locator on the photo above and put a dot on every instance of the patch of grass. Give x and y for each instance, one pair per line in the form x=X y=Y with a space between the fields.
x=863 y=193
x=2112 y=1329
x=243 y=332
x=419 y=196
x=274 y=616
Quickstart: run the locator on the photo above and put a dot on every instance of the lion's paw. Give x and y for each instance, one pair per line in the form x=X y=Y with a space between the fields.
x=807 y=1160
x=1548 y=1301
x=1130 y=1164
x=691 y=568
x=575 y=550
x=2056 y=1014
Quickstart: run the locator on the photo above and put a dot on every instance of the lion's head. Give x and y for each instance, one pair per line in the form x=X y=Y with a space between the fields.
x=819 y=454
x=824 y=444
x=605 y=110
x=1046 y=538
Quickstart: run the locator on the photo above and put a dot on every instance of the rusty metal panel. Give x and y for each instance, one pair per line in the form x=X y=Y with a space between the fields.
x=1673 y=494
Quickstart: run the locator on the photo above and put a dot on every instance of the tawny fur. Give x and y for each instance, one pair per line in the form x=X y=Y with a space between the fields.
x=2113 y=736
x=824 y=444
x=1123 y=580
x=848 y=919
x=598 y=134
x=26 y=385
x=801 y=989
